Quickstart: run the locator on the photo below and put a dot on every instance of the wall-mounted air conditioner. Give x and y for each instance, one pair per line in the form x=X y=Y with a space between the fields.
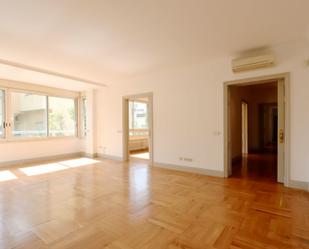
x=251 y=63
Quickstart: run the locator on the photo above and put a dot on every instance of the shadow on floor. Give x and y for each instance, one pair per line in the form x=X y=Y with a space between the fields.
x=261 y=167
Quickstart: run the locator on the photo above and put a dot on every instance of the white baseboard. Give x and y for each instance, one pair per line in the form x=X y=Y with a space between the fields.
x=299 y=185
x=201 y=171
x=90 y=155
x=109 y=157
x=41 y=159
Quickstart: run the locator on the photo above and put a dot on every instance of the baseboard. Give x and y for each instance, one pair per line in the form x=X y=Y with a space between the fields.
x=40 y=159
x=90 y=155
x=109 y=157
x=201 y=171
x=299 y=185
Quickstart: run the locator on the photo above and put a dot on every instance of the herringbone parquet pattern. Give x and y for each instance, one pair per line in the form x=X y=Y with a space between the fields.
x=115 y=205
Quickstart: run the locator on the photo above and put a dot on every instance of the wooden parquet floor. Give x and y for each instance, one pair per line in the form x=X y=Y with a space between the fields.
x=260 y=167
x=115 y=205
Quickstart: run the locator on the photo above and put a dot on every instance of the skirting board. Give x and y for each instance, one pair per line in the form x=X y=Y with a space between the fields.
x=299 y=185
x=41 y=159
x=109 y=157
x=90 y=155
x=201 y=171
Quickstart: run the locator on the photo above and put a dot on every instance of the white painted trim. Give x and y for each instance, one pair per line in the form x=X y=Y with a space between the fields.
x=299 y=185
x=49 y=72
x=251 y=81
x=39 y=89
x=201 y=171
x=90 y=155
x=109 y=157
x=40 y=159
x=37 y=139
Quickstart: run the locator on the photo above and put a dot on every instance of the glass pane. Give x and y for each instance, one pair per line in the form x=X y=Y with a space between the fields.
x=29 y=113
x=61 y=116
x=138 y=119
x=140 y=116
x=84 y=117
x=2 y=113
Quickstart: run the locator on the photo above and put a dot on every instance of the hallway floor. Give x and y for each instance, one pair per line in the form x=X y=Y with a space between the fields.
x=262 y=167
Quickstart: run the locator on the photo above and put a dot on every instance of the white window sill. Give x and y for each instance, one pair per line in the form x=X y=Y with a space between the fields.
x=33 y=139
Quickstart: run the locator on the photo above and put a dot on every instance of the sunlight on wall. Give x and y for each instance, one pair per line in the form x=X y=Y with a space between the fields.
x=7 y=175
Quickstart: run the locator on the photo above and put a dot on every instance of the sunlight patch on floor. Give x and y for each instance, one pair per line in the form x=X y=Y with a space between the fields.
x=78 y=162
x=57 y=166
x=43 y=169
x=141 y=155
x=7 y=175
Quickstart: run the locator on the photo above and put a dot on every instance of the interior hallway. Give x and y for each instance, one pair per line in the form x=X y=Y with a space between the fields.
x=254 y=138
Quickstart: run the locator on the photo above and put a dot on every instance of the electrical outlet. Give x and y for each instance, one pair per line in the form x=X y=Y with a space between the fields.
x=188 y=159
x=180 y=158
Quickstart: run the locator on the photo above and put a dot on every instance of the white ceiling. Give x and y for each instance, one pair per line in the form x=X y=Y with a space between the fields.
x=107 y=40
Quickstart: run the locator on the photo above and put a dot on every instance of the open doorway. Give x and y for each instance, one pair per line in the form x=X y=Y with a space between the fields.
x=138 y=127
x=244 y=128
x=256 y=137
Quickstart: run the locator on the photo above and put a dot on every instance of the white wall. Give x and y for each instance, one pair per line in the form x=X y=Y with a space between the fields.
x=90 y=139
x=188 y=110
x=12 y=151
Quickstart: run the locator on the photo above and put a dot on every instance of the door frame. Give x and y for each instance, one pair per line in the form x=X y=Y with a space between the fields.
x=125 y=123
x=285 y=77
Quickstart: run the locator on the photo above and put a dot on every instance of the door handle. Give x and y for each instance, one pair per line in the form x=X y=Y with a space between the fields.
x=281 y=136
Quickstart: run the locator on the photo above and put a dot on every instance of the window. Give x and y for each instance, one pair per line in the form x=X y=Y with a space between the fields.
x=84 y=116
x=138 y=115
x=2 y=113
x=61 y=117
x=29 y=115
x=138 y=118
x=39 y=114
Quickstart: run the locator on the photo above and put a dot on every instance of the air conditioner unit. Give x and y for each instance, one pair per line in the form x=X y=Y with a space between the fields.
x=251 y=63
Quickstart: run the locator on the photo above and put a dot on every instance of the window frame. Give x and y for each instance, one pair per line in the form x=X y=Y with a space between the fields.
x=83 y=117
x=27 y=88
x=5 y=118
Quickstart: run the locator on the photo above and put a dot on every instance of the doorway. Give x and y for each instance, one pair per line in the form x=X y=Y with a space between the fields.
x=244 y=127
x=256 y=128
x=137 y=127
